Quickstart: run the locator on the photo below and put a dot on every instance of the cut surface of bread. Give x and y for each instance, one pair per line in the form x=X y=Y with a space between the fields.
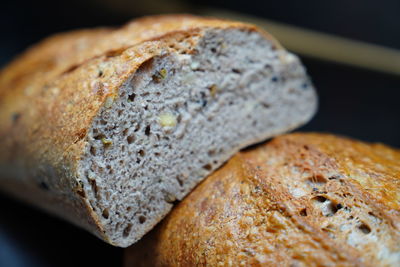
x=108 y=128
x=299 y=200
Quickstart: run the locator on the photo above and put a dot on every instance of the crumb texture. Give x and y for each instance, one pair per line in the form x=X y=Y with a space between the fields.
x=179 y=117
x=299 y=200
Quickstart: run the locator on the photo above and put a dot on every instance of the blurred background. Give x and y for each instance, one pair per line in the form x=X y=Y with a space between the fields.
x=361 y=102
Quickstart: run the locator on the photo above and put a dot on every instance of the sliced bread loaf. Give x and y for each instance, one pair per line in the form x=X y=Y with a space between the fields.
x=108 y=127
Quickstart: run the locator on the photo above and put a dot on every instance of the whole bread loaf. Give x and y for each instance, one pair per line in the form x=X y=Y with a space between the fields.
x=299 y=200
x=108 y=127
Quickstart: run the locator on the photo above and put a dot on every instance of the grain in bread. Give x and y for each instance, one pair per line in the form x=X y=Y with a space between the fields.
x=300 y=200
x=108 y=127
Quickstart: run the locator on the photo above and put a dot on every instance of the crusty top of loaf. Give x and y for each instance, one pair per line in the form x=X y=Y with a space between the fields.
x=71 y=75
x=68 y=78
x=375 y=168
x=299 y=200
x=67 y=51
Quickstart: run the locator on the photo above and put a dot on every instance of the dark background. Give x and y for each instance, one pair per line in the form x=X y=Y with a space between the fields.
x=353 y=102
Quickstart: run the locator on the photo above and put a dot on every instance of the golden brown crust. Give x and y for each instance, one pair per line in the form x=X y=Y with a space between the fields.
x=299 y=200
x=51 y=93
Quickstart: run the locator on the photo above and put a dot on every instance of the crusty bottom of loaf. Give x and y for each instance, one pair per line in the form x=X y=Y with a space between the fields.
x=182 y=116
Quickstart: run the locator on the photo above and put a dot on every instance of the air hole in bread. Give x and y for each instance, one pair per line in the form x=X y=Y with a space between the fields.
x=94 y=186
x=99 y=136
x=93 y=150
x=127 y=230
x=236 y=71
x=142 y=219
x=130 y=139
x=105 y=214
x=110 y=169
x=147 y=130
x=364 y=228
x=347 y=194
x=207 y=167
x=303 y=212
x=268 y=66
x=265 y=105
x=179 y=118
x=331 y=209
x=180 y=180
x=131 y=97
x=319 y=199
x=318 y=180
x=328 y=208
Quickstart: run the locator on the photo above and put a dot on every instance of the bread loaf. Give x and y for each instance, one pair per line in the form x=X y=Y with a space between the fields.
x=108 y=127
x=300 y=200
